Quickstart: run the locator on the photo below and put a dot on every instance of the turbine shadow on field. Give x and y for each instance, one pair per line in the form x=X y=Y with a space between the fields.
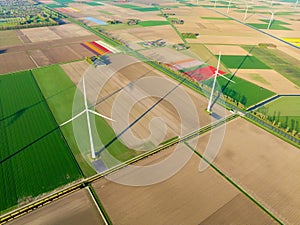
x=232 y=76
x=2 y=51
x=28 y=145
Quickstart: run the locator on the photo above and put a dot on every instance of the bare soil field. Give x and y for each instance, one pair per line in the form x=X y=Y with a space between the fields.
x=227 y=49
x=269 y=79
x=28 y=56
x=60 y=54
x=76 y=209
x=10 y=62
x=165 y=32
x=263 y=165
x=8 y=38
x=54 y=33
x=189 y=197
x=291 y=51
x=165 y=55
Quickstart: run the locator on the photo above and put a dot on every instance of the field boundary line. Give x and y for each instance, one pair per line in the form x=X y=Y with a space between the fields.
x=234 y=184
x=97 y=206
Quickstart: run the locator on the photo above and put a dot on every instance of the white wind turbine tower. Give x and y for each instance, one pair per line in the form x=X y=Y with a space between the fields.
x=229 y=4
x=215 y=4
x=296 y=4
x=214 y=84
x=246 y=11
x=271 y=19
x=87 y=111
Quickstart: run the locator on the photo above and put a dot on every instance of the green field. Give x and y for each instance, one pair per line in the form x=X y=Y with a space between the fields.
x=59 y=91
x=285 y=110
x=151 y=23
x=243 y=62
x=138 y=8
x=276 y=25
x=105 y=12
x=242 y=91
x=93 y=3
x=34 y=157
x=284 y=64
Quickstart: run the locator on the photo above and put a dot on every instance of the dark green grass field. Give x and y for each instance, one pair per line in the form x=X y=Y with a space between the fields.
x=243 y=62
x=59 y=91
x=152 y=23
x=246 y=92
x=285 y=110
x=34 y=158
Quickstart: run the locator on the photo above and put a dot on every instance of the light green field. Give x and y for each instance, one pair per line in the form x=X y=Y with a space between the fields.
x=34 y=156
x=285 y=110
x=151 y=23
x=59 y=91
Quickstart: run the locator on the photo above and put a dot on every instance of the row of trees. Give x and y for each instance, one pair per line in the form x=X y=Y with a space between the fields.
x=288 y=123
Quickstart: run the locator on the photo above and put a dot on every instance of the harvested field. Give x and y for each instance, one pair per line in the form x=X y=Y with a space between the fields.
x=148 y=33
x=227 y=49
x=7 y=38
x=269 y=79
x=263 y=165
x=15 y=62
x=165 y=55
x=76 y=209
x=40 y=34
x=60 y=54
x=54 y=33
x=189 y=197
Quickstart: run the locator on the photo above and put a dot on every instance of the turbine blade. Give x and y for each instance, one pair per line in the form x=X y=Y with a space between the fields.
x=73 y=118
x=226 y=78
x=98 y=114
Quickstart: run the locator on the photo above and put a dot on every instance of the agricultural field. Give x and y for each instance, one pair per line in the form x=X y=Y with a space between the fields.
x=205 y=200
x=241 y=90
x=281 y=62
x=35 y=157
x=153 y=23
x=76 y=209
x=285 y=110
x=294 y=41
x=266 y=167
x=59 y=92
x=243 y=62
x=138 y=8
x=269 y=79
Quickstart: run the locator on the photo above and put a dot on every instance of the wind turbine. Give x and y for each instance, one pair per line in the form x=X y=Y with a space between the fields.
x=214 y=84
x=215 y=4
x=87 y=111
x=271 y=19
x=246 y=11
x=229 y=3
x=296 y=4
